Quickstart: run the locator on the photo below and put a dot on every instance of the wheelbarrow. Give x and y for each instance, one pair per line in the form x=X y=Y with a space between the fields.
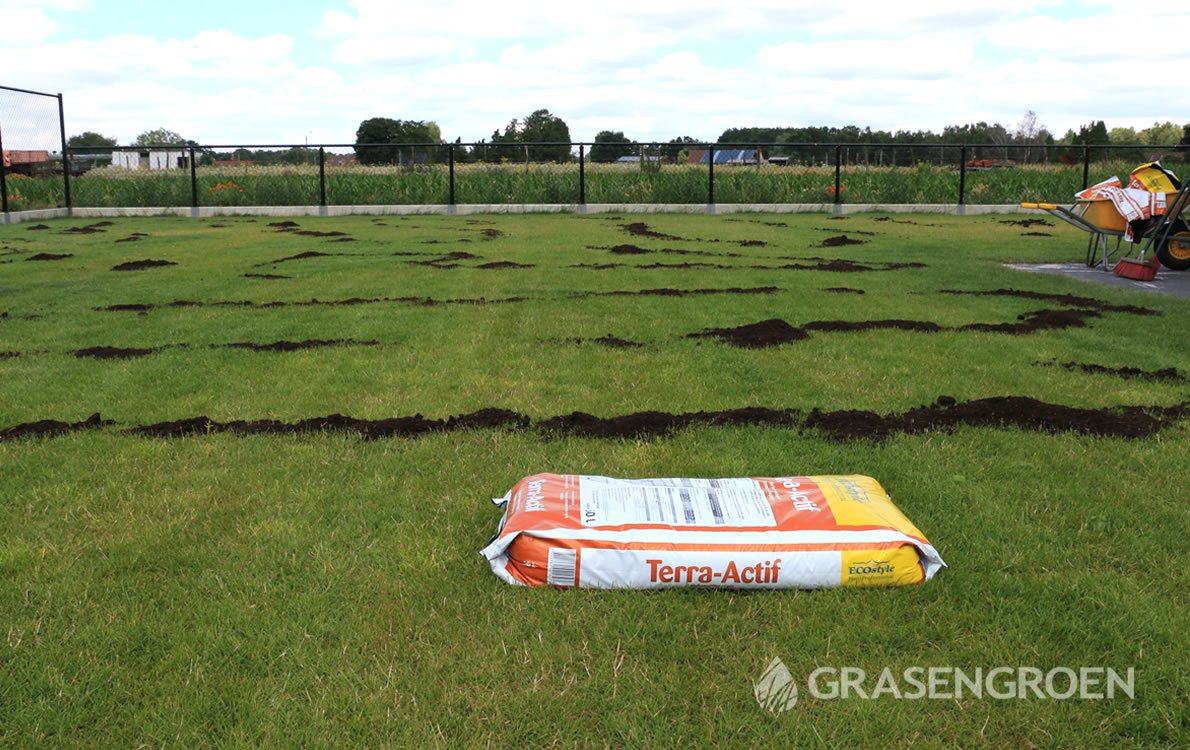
x=1167 y=236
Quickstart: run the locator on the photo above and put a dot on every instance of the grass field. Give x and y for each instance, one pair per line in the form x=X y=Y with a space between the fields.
x=300 y=587
x=559 y=183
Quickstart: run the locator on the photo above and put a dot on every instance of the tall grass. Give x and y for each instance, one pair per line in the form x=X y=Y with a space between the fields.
x=560 y=183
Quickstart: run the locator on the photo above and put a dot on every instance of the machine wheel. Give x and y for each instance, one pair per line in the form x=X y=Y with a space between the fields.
x=1175 y=253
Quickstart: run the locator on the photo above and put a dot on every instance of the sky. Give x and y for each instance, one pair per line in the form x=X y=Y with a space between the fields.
x=304 y=71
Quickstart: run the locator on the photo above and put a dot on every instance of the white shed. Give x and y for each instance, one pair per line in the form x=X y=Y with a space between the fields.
x=151 y=159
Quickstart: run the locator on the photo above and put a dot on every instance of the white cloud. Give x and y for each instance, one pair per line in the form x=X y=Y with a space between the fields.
x=654 y=70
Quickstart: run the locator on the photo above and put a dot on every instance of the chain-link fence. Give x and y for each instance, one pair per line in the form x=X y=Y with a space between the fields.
x=563 y=173
x=32 y=141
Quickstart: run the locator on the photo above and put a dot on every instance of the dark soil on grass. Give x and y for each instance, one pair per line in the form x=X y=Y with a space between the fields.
x=843 y=290
x=284 y=224
x=598 y=266
x=944 y=414
x=265 y=276
x=293 y=346
x=9 y=355
x=82 y=230
x=670 y=292
x=652 y=266
x=50 y=256
x=921 y=326
x=658 y=423
x=36 y=228
x=841 y=241
x=501 y=264
x=51 y=428
x=766 y=333
x=369 y=429
x=1025 y=223
x=641 y=229
x=1170 y=374
x=112 y=352
x=1036 y=234
x=314 y=233
x=1071 y=300
x=140 y=265
x=1037 y=320
x=134 y=237
x=903 y=221
x=1000 y=411
x=610 y=341
x=299 y=256
x=491 y=234
x=775 y=332
x=840 y=265
x=629 y=250
x=142 y=307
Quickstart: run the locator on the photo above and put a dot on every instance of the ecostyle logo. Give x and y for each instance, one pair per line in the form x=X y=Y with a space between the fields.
x=871 y=567
x=776 y=690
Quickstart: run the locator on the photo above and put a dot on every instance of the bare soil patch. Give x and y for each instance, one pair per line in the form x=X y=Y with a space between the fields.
x=761 y=335
x=670 y=292
x=843 y=290
x=50 y=256
x=1000 y=411
x=140 y=265
x=293 y=346
x=1170 y=374
x=51 y=428
x=36 y=228
x=503 y=264
x=113 y=352
x=1062 y=299
x=841 y=241
x=265 y=276
x=641 y=229
x=369 y=429
x=1026 y=223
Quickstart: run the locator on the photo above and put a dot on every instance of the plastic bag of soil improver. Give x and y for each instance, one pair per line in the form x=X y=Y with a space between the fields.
x=785 y=532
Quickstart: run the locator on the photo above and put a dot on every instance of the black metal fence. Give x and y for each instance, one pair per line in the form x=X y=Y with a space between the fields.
x=349 y=174
x=452 y=174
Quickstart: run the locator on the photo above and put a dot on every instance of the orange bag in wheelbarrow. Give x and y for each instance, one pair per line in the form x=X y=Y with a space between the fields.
x=568 y=530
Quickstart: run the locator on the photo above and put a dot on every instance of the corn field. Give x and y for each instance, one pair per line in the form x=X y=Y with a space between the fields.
x=531 y=183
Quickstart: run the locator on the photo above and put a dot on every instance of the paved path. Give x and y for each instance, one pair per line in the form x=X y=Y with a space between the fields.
x=1176 y=283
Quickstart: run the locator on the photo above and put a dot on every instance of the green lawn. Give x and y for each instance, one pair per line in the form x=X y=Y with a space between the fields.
x=319 y=589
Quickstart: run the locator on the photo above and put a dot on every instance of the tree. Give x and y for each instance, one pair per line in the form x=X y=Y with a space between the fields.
x=543 y=127
x=384 y=130
x=610 y=145
x=159 y=137
x=676 y=146
x=1161 y=134
x=90 y=139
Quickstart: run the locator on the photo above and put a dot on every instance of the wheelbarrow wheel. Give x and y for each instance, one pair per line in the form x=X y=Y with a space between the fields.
x=1175 y=253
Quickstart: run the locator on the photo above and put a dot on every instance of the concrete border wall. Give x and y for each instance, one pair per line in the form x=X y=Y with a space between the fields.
x=16 y=217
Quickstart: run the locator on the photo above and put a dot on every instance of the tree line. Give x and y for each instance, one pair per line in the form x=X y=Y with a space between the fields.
x=544 y=137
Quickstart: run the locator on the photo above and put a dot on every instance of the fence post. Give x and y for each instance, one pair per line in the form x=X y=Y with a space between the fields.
x=838 y=175
x=582 y=174
x=3 y=178
x=711 y=176
x=322 y=176
x=451 y=172
x=1086 y=165
x=193 y=181
x=65 y=156
x=962 y=175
